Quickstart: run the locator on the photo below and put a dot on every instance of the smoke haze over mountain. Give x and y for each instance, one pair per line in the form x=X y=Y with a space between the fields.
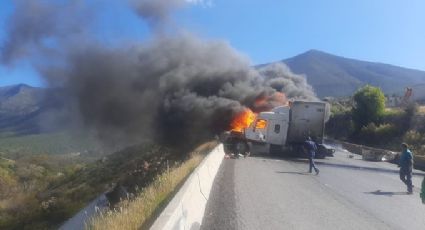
x=177 y=87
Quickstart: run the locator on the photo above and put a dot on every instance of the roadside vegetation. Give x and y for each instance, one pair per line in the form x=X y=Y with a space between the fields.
x=23 y=185
x=41 y=191
x=15 y=146
x=365 y=120
x=29 y=166
x=139 y=212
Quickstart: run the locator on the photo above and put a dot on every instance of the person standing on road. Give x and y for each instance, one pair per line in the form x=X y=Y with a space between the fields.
x=311 y=148
x=406 y=166
x=423 y=191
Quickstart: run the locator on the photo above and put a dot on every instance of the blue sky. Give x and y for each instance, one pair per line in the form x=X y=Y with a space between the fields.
x=387 y=31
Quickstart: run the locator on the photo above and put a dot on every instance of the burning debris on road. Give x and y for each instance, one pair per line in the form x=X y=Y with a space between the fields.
x=176 y=88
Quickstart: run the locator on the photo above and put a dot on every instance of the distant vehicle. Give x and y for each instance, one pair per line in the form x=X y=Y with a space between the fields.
x=285 y=128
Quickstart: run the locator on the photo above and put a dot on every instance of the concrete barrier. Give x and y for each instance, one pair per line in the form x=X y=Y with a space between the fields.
x=369 y=153
x=356 y=149
x=375 y=154
x=186 y=209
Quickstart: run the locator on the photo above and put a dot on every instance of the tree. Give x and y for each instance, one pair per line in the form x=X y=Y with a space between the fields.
x=369 y=106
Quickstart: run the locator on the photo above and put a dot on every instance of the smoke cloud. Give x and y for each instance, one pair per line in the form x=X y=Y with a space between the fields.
x=176 y=89
x=156 y=13
x=33 y=23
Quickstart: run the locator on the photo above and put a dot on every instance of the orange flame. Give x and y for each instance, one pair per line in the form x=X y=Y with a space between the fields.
x=280 y=98
x=266 y=102
x=261 y=124
x=262 y=103
x=242 y=120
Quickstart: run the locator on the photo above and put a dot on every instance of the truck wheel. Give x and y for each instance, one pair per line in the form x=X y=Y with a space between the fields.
x=275 y=149
x=296 y=150
x=242 y=148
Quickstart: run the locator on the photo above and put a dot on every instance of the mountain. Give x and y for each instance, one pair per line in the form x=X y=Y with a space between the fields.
x=20 y=99
x=336 y=76
x=22 y=108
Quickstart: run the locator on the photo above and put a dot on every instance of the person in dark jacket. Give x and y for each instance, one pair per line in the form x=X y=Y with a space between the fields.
x=423 y=191
x=311 y=148
x=406 y=166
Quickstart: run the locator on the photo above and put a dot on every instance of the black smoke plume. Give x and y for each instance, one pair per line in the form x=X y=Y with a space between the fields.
x=177 y=89
x=33 y=23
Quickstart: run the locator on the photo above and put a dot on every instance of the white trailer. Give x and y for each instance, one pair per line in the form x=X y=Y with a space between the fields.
x=286 y=127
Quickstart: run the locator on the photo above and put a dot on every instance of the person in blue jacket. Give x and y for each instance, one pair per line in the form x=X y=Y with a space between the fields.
x=406 y=166
x=311 y=148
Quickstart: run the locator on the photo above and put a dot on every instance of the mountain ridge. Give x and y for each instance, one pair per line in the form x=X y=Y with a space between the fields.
x=22 y=107
x=316 y=51
x=332 y=75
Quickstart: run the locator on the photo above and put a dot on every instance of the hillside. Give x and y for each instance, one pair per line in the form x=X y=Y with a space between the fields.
x=23 y=108
x=20 y=99
x=42 y=191
x=20 y=106
x=332 y=75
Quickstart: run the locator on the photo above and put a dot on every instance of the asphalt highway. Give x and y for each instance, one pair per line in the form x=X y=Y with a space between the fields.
x=267 y=193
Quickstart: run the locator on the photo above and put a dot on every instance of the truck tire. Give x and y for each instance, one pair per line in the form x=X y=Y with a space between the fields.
x=275 y=149
x=297 y=150
x=242 y=148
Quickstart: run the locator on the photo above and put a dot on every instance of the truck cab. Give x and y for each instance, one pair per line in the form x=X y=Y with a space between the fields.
x=270 y=127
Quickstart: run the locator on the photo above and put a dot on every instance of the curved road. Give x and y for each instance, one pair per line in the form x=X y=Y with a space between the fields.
x=349 y=193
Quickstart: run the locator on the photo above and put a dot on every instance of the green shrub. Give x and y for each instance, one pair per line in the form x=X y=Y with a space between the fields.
x=416 y=141
x=340 y=126
x=414 y=138
x=369 y=106
x=386 y=131
x=368 y=133
x=375 y=135
x=337 y=108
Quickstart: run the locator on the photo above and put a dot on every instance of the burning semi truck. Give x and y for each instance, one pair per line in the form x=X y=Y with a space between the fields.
x=282 y=130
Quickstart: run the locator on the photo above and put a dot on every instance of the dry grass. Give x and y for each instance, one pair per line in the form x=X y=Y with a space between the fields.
x=393 y=111
x=421 y=110
x=132 y=214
